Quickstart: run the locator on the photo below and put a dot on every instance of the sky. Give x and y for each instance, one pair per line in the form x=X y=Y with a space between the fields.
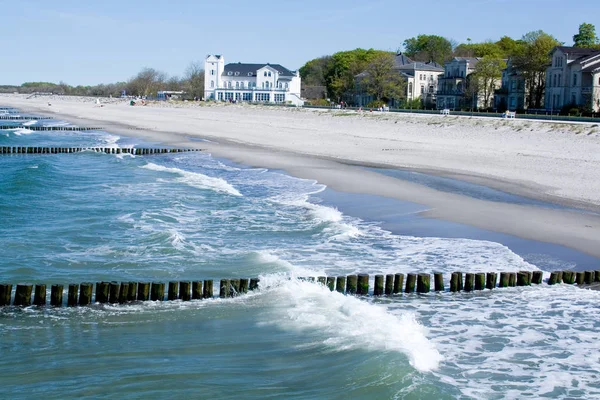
x=88 y=42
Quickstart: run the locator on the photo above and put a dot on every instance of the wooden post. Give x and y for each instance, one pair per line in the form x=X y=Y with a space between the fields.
x=23 y=295
x=123 y=292
x=362 y=287
x=589 y=277
x=85 y=293
x=580 y=278
x=491 y=279
x=5 y=294
x=389 y=284
x=322 y=280
x=243 y=286
x=113 y=292
x=331 y=283
x=340 y=285
x=234 y=288
x=101 y=292
x=569 y=277
x=173 y=290
x=208 y=288
x=469 y=282
x=480 y=281
x=254 y=283
x=184 y=291
x=56 y=295
x=398 y=283
x=411 y=280
x=553 y=278
x=378 y=287
x=460 y=280
x=512 y=279
x=522 y=278
x=196 y=290
x=537 y=277
x=529 y=277
x=72 y=295
x=438 y=279
x=504 y=278
x=132 y=289
x=423 y=283
x=157 y=291
x=454 y=282
x=143 y=293
x=224 y=288
x=40 y=295
x=597 y=276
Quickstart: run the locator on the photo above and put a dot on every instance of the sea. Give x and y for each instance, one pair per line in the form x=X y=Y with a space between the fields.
x=90 y=217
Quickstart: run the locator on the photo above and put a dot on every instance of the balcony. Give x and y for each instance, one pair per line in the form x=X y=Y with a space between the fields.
x=450 y=92
x=586 y=90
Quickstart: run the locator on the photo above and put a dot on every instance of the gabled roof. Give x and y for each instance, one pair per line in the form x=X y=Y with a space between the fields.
x=400 y=60
x=575 y=51
x=244 y=69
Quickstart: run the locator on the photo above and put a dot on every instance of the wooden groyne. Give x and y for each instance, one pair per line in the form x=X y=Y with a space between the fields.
x=22 y=118
x=108 y=150
x=54 y=128
x=87 y=293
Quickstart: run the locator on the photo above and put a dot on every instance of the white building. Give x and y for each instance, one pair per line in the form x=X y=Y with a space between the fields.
x=513 y=94
x=452 y=86
x=573 y=78
x=265 y=83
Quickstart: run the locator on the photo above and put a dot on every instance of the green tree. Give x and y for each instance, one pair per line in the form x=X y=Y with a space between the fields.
x=586 y=36
x=532 y=60
x=488 y=73
x=147 y=82
x=381 y=80
x=194 y=79
x=428 y=48
x=313 y=73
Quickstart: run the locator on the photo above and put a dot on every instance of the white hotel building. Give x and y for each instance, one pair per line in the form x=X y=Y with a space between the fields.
x=266 y=83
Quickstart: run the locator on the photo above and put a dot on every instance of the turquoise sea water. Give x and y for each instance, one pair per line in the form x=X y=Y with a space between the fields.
x=91 y=217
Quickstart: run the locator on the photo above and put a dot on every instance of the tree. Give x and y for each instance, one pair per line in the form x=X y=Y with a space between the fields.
x=428 y=48
x=586 y=36
x=532 y=60
x=488 y=72
x=194 y=79
x=313 y=73
x=147 y=82
x=381 y=80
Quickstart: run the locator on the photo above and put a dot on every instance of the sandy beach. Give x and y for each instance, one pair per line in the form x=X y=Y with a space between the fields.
x=553 y=162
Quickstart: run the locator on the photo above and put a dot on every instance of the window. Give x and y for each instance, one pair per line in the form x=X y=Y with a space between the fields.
x=286 y=86
x=573 y=99
x=220 y=96
x=247 y=96
x=269 y=73
x=249 y=73
x=229 y=85
x=574 y=79
x=559 y=79
x=237 y=97
x=229 y=73
x=279 y=98
x=265 y=73
x=430 y=88
x=237 y=85
x=237 y=73
x=212 y=71
x=212 y=84
x=410 y=88
x=228 y=96
x=554 y=81
x=422 y=89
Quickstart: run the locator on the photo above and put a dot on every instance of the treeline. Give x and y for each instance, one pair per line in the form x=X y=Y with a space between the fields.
x=145 y=83
x=346 y=73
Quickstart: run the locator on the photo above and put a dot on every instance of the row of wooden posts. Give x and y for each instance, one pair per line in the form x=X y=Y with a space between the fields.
x=55 y=128
x=21 y=118
x=123 y=292
x=107 y=150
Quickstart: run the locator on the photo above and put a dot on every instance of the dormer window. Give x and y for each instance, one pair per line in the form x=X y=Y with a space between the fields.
x=229 y=73
x=249 y=73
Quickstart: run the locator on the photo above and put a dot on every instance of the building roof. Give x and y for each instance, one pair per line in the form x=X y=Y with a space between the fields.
x=575 y=51
x=470 y=60
x=400 y=60
x=244 y=69
x=419 y=66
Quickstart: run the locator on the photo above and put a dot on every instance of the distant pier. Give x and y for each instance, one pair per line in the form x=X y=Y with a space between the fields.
x=137 y=151
x=22 y=118
x=54 y=128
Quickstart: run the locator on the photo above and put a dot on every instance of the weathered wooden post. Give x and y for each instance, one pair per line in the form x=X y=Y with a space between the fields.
x=569 y=277
x=423 y=283
x=580 y=278
x=224 y=288
x=340 y=285
x=512 y=279
x=234 y=289
x=378 y=285
x=101 y=292
x=491 y=279
x=143 y=293
x=184 y=291
x=197 y=290
x=411 y=280
x=398 y=283
x=351 y=284
x=331 y=283
x=132 y=291
x=72 y=295
x=56 y=295
x=5 y=294
x=208 y=288
x=454 y=282
x=438 y=280
x=589 y=277
x=23 y=295
x=389 y=284
x=529 y=277
x=253 y=283
x=243 y=286
x=322 y=280
x=553 y=280
x=504 y=278
x=460 y=280
x=123 y=292
x=157 y=291
x=537 y=277
x=362 y=285
x=597 y=276
x=469 y=282
x=113 y=292
x=39 y=298
x=85 y=293
x=173 y=290
x=522 y=278
x=479 y=281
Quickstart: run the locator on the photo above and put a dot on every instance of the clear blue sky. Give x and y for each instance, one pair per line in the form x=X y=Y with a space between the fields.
x=102 y=41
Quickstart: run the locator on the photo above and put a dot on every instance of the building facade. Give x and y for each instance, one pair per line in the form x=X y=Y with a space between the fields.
x=573 y=79
x=242 y=82
x=453 y=85
x=513 y=94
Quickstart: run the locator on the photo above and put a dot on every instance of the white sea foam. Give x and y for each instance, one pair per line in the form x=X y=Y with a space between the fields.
x=21 y=131
x=29 y=123
x=196 y=179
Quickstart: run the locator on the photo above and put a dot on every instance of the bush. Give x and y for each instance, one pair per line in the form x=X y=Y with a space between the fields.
x=376 y=104
x=318 y=102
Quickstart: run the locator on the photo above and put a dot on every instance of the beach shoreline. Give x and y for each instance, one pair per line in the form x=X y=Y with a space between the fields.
x=289 y=140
